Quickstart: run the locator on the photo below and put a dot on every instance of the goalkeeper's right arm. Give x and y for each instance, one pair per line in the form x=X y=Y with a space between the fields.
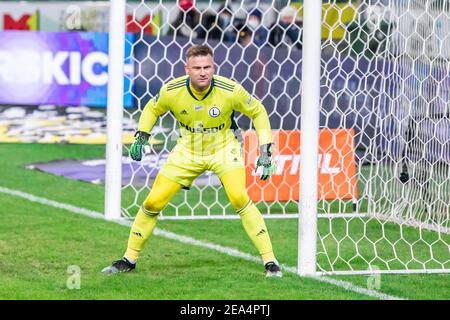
x=152 y=110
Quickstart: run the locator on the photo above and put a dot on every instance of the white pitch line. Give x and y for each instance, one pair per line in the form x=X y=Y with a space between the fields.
x=188 y=240
x=236 y=253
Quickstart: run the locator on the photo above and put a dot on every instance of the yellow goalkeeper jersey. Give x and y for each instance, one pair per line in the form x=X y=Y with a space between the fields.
x=206 y=119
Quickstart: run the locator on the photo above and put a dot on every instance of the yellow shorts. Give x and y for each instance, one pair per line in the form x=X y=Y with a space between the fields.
x=183 y=166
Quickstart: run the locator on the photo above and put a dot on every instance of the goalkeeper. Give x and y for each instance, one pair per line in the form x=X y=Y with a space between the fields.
x=203 y=104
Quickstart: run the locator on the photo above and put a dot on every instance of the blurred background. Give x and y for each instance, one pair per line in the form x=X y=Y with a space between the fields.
x=53 y=55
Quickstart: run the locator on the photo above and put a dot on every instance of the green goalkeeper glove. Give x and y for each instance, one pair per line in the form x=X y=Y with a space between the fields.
x=265 y=161
x=139 y=143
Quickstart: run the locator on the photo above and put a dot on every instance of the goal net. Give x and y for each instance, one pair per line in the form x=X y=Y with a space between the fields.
x=384 y=179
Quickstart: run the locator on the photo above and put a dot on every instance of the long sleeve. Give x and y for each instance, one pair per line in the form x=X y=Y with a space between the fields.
x=253 y=108
x=152 y=110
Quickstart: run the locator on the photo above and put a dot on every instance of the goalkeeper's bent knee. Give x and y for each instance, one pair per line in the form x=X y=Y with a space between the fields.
x=239 y=200
x=163 y=190
x=153 y=205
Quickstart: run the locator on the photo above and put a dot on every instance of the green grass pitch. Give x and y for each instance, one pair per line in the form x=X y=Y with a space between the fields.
x=38 y=243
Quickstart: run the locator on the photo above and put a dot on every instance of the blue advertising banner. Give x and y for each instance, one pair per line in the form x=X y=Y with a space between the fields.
x=61 y=68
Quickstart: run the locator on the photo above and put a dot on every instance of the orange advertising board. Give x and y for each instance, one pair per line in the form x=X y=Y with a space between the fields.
x=337 y=166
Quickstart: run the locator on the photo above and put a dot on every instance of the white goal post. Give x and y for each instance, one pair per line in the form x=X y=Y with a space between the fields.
x=358 y=96
x=113 y=170
x=307 y=224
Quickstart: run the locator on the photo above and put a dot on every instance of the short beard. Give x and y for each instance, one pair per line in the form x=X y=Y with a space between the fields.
x=197 y=87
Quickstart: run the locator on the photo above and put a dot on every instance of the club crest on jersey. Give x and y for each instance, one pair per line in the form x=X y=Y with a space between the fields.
x=214 y=112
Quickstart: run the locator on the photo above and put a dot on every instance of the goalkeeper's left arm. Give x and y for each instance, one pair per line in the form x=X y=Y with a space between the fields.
x=254 y=109
x=152 y=110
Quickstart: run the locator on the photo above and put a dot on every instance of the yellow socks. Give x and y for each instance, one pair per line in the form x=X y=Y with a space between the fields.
x=257 y=231
x=142 y=229
x=251 y=218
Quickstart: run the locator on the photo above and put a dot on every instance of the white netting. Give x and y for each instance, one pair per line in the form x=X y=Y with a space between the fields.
x=384 y=181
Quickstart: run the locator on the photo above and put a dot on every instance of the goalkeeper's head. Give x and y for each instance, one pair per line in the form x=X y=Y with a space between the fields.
x=200 y=66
